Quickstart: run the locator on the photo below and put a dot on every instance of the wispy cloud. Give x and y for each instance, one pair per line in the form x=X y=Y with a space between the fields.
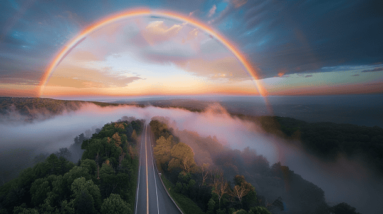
x=238 y=3
x=212 y=11
x=373 y=70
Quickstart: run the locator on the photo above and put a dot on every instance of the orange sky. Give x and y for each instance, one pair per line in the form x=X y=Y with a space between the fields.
x=153 y=33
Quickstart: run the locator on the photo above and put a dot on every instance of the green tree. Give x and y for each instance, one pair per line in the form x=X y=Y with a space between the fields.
x=47 y=207
x=259 y=210
x=86 y=193
x=84 y=203
x=39 y=191
x=67 y=207
x=90 y=165
x=23 y=210
x=114 y=204
x=109 y=180
x=241 y=211
x=75 y=173
x=210 y=206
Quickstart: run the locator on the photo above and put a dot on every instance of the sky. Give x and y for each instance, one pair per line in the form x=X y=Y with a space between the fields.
x=294 y=48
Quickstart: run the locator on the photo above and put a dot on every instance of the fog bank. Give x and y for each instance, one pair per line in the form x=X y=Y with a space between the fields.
x=343 y=181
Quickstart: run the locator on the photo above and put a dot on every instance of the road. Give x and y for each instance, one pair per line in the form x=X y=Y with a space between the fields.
x=151 y=197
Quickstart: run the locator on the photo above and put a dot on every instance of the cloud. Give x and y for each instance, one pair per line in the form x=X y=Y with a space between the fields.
x=308 y=76
x=224 y=67
x=328 y=37
x=373 y=70
x=223 y=14
x=238 y=3
x=79 y=77
x=282 y=72
x=193 y=12
x=355 y=75
x=212 y=11
x=157 y=32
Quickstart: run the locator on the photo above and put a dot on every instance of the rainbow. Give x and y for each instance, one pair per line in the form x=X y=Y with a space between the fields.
x=141 y=12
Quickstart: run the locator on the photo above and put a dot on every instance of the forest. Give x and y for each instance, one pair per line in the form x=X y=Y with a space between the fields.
x=102 y=181
x=221 y=180
x=33 y=108
x=328 y=141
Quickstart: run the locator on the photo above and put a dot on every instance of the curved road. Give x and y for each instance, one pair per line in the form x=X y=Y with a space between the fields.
x=151 y=195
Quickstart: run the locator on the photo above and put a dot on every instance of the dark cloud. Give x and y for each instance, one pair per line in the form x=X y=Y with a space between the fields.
x=373 y=70
x=308 y=76
x=307 y=35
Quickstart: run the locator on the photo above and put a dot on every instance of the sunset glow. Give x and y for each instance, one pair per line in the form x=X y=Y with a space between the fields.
x=145 y=12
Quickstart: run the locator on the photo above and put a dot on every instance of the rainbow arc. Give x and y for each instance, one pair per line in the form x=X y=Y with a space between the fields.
x=145 y=12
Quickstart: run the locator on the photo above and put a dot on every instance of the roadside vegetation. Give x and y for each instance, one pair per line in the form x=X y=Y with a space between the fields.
x=187 y=205
x=220 y=180
x=103 y=181
x=192 y=185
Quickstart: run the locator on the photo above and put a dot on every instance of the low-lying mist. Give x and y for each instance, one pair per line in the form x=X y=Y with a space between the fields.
x=342 y=180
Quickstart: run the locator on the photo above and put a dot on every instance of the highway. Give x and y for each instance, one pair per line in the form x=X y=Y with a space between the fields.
x=151 y=196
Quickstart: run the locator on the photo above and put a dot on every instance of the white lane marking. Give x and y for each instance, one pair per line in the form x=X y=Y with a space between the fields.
x=154 y=175
x=139 y=172
x=147 y=181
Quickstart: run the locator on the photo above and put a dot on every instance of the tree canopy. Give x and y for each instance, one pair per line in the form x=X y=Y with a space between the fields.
x=103 y=181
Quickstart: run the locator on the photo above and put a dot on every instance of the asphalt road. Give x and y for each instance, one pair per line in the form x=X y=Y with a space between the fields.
x=151 y=196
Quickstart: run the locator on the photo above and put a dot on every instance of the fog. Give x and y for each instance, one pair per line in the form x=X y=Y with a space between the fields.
x=342 y=181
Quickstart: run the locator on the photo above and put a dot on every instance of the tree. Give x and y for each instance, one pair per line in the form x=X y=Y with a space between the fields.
x=259 y=210
x=64 y=152
x=162 y=150
x=117 y=139
x=182 y=156
x=23 y=210
x=241 y=211
x=220 y=187
x=84 y=203
x=90 y=165
x=47 y=206
x=119 y=126
x=245 y=192
x=114 y=204
x=240 y=191
x=39 y=191
x=343 y=208
x=40 y=158
x=134 y=135
x=109 y=180
x=75 y=173
x=67 y=208
x=204 y=172
x=86 y=193
x=210 y=206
